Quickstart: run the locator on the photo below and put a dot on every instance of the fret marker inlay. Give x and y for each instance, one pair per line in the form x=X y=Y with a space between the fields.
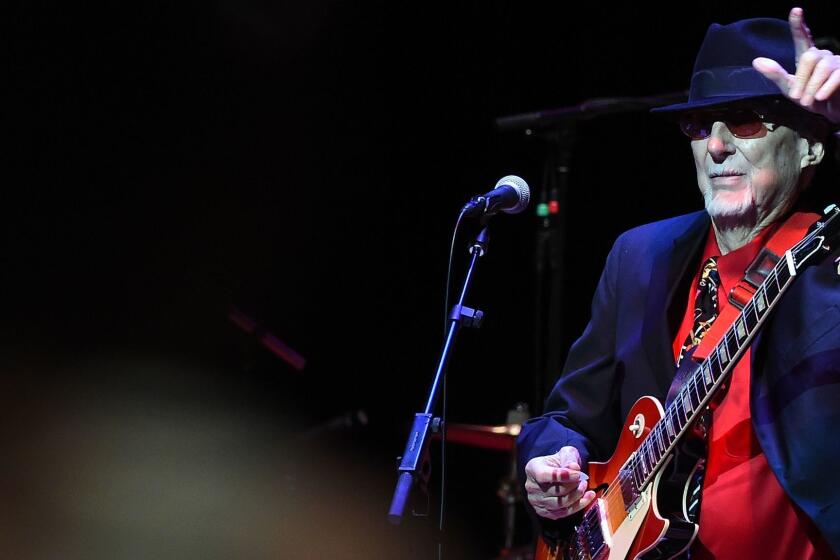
x=760 y=303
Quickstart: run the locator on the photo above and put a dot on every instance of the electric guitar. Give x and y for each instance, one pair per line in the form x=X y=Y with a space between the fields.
x=648 y=492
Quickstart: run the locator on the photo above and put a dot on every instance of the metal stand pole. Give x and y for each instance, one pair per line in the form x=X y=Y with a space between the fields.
x=416 y=448
x=549 y=256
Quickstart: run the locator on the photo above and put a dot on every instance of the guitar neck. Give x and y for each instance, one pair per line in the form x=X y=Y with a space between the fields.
x=708 y=376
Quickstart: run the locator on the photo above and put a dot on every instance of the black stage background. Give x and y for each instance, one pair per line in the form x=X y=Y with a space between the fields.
x=302 y=163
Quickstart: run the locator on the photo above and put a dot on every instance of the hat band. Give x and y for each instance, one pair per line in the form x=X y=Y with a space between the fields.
x=728 y=81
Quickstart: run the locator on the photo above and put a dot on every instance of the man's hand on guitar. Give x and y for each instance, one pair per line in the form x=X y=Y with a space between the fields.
x=555 y=486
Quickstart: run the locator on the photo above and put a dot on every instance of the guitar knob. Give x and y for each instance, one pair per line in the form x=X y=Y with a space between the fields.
x=637 y=426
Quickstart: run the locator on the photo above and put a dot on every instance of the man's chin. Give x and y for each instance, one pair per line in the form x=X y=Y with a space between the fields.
x=731 y=213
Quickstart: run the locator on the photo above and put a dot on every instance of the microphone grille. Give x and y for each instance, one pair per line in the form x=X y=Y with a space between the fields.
x=521 y=187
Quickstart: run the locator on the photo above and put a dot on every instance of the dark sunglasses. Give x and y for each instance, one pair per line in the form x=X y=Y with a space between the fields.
x=743 y=123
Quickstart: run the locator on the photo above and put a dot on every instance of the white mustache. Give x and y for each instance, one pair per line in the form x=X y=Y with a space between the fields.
x=723 y=172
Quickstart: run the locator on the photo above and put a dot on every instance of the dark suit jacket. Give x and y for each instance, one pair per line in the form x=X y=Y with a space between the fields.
x=626 y=352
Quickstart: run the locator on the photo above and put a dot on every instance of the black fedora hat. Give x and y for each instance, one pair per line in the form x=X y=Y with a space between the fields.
x=723 y=71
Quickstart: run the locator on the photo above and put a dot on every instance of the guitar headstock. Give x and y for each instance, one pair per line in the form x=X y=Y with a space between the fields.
x=821 y=238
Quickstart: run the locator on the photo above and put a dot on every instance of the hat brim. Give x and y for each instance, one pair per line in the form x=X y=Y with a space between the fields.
x=708 y=103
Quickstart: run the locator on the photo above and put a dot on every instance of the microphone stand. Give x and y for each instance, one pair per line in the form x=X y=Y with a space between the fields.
x=414 y=463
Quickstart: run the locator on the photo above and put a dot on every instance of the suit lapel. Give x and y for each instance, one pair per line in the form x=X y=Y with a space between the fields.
x=671 y=276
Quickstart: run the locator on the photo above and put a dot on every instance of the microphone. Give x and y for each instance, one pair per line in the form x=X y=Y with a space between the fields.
x=511 y=195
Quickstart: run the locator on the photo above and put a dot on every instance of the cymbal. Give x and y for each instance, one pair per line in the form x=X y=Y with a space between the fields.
x=501 y=438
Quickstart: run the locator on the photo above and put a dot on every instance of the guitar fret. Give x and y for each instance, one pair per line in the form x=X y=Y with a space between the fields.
x=771 y=288
x=677 y=404
x=659 y=438
x=776 y=272
x=782 y=274
x=654 y=448
x=687 y=404
x=669 y=428
x=715 y=366
x=649 y=446
x=731 y=343
x=750 y=318
x=708 y=380
x=696 y=391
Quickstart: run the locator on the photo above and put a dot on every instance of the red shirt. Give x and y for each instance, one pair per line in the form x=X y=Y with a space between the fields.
x=744 y=512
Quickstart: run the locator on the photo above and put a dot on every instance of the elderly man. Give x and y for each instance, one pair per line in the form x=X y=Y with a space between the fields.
x=763 y=101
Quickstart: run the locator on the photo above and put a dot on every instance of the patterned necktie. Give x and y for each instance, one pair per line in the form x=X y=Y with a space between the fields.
x=705 y=312
x=705 y=306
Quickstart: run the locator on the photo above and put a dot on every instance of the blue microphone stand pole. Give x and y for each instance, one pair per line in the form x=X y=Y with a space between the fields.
x=414 y=462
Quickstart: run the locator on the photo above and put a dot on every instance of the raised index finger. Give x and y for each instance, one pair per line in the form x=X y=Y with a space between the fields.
x=802 y=40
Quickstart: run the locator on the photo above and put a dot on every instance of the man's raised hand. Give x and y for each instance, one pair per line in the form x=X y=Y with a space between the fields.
x=816 y=84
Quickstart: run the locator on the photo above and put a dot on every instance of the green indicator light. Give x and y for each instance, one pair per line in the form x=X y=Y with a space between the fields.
x=542 y=209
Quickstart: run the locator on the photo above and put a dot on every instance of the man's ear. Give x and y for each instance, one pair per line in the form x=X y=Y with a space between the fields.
x=813 y=155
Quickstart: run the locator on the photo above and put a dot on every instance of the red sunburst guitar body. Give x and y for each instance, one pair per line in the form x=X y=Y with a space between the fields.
x=625 y=523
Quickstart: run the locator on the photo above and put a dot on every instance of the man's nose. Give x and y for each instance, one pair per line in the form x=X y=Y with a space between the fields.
x=720 y=144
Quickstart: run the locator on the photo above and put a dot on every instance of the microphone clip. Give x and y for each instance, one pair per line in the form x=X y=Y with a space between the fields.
x=477 y=207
